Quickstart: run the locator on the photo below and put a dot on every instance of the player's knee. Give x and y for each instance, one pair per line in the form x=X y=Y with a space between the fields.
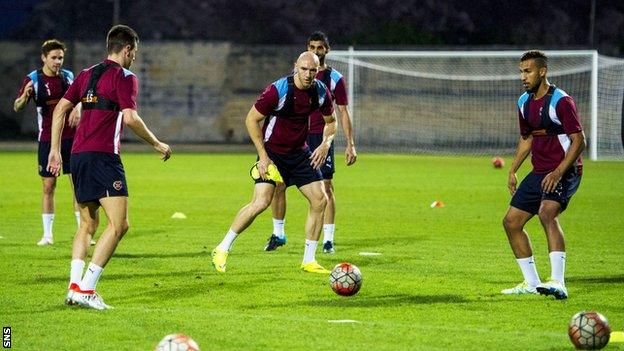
x=318 y=203
x=510 y=223
x=260 y=204
x=547 y=215
x=48 y=188
x=329 y=189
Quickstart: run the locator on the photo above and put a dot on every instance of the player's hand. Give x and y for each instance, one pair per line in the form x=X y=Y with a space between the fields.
x=319 y=156
x=512 y=182
x=164 y=149
x=74 y=117
x=350 y=155
x=263 y=167
x=54 y=162
x=28 y=89
x=550 y=181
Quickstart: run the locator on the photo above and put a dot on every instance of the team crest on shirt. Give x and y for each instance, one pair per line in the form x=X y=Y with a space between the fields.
x=117 y=185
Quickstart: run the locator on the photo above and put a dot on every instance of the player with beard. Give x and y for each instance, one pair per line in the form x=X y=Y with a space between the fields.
x=551 y=131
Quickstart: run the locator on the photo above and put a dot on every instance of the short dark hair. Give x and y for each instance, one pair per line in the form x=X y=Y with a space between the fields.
x=540 y=58
x=119 y=36
x=319 y=36
x=52 y=44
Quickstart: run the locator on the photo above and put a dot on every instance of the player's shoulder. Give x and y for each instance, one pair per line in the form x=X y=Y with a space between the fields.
x=32 y=75
x=320 y=85
x=335 y=74
x=559 y=95
x=280 y=85
x=523 y=98
x=68 y=73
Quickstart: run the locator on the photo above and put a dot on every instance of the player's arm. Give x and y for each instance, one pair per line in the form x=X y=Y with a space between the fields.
x=58 y=121
x=132 y=119
x=252 y=122
x=320 y=153
x=74 y=115
x=22 y=100
x=347 y=130
x=577 y=145
x=522 y=151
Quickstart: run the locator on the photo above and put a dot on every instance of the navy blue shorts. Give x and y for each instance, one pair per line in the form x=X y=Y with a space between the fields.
x=529 y=194
x=97 y=175
x=295 y=168
x=44 y=152
x=327 y=169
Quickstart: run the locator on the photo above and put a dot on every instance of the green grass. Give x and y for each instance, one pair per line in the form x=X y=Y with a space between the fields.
x=436 y=286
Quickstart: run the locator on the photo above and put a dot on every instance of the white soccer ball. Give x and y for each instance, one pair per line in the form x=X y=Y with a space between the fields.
x=177 y=342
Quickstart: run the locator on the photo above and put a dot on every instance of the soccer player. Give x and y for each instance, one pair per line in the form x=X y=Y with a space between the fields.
x=46 y=86
x=288 y=102
x=108 y=92
x=551 y=131
x=318 y=43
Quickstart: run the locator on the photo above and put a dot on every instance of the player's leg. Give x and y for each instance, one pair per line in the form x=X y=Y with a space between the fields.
x=278 y=207
x=263 y=193
x=66 y=146
x=329 y=217
x=89 y=221
x=116 y=210
x=315 y=193
x=548 y=214
x=47 y=207
x=514 y=222
x=77 y=208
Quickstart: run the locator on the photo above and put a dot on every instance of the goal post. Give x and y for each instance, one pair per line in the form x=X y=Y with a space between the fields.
x=464 y=102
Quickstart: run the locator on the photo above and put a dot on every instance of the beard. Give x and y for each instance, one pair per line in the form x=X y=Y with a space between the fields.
x=533 y=89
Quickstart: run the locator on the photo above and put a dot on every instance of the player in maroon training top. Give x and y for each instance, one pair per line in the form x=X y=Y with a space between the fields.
x=285 y=107
x=318 y=43
x=45 y=86
x=108 y=93
x=551 y=131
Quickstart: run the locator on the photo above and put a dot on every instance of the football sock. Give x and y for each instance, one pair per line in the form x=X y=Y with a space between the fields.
x=529 y=271
x=278 y=227
x=48 y=220
x=77 y=214
x=557 y=265
x=75 y=275
x=310 y=251
x=91 y=277
x=228 y=240
x=328 y=232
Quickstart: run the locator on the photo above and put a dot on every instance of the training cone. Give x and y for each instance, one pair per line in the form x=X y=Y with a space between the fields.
x=178 y=215
x=436 y=204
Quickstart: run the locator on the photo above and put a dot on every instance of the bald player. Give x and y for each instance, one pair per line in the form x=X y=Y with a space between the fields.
x=285 y=107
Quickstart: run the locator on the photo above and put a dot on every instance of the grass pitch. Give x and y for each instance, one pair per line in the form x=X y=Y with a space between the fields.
x=435 y=286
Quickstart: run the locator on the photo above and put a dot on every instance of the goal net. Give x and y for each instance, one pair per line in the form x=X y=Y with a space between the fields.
x=465 y=102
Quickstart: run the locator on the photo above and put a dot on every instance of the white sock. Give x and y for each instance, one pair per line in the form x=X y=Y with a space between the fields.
x=278 y=227
x=328 y=232
x=48 y=220
x=557 y=265
x=77 y=214
x=75 y=275
x=91 y=277
x=529 y=271
x=310 y=251
x=228 y=240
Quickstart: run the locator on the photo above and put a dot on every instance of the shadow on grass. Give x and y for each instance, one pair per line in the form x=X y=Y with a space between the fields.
x=615 y=279
x=162 y=255
x=377 y=301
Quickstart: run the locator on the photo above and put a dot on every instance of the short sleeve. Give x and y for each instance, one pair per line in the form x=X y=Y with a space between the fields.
x=524 y=126
x=21 y=89
x=568 y=116
x=267 y=101
x=73 y=94
x=340 y=92
x=127 y=91
x=327 y=109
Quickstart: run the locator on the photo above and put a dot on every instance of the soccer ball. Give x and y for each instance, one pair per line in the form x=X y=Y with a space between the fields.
x=589 y=331
x=177 y=342
x=498 y=162
x=345 y=279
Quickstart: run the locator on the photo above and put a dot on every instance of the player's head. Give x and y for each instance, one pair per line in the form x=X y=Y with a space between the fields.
x=122 y=41
x=318 y=43
x=306 y=67
x=533 y=69
x=53 y=54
